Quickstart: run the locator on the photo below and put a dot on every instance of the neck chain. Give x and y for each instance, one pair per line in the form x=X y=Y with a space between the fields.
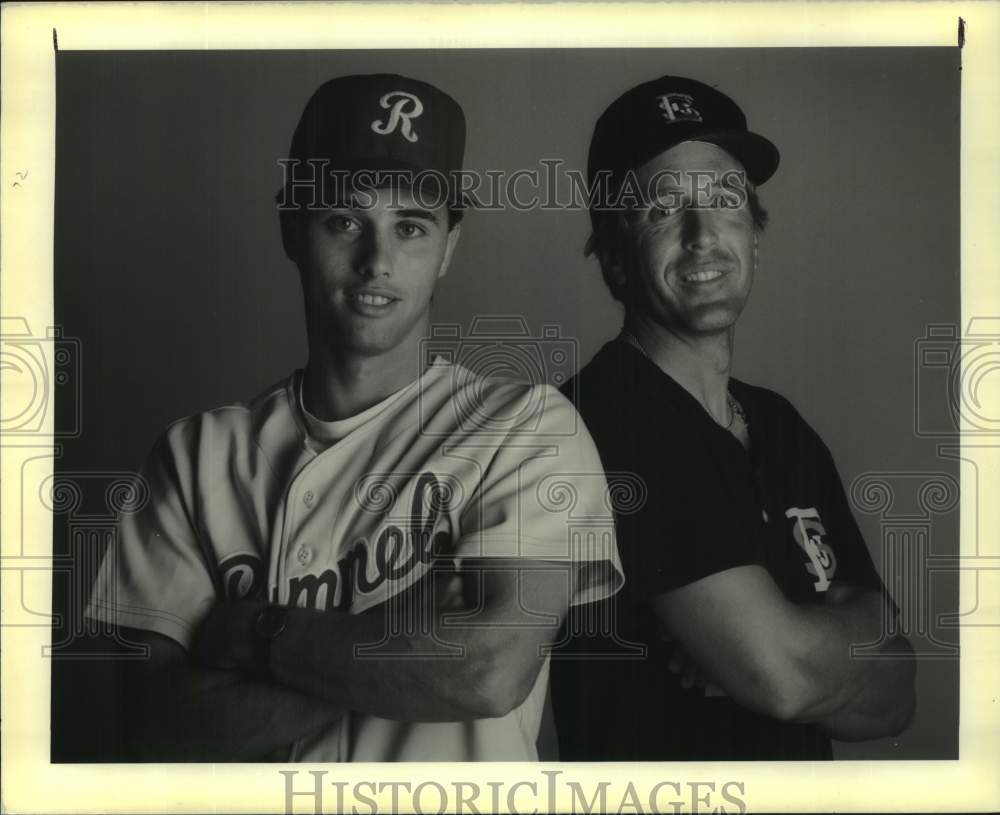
x=735 y=408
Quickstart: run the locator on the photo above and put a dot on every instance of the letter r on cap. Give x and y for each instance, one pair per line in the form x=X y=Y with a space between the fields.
x=405 y=108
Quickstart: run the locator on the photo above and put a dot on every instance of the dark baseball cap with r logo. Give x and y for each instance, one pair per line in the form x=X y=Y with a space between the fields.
x=660 y=114
x=376 y=123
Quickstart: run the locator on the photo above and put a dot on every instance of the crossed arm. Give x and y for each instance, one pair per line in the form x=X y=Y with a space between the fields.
x=793 y=661
x=455 y=646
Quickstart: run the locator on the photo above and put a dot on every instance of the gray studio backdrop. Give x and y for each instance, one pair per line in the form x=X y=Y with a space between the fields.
x=169 y=267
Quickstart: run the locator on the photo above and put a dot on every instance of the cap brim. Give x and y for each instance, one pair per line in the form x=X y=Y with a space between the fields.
x=758 y=156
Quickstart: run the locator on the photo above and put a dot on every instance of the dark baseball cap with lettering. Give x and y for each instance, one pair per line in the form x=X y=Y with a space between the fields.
x=383 y=124
x=657 y=115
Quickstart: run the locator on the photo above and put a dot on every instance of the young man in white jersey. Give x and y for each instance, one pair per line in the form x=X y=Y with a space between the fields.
x=294 y=569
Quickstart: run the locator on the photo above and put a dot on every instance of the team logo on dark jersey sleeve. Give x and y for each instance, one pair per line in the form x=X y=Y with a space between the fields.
x=808 y=531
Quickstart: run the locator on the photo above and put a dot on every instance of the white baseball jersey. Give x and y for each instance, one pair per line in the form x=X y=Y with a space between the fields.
x=255 y=497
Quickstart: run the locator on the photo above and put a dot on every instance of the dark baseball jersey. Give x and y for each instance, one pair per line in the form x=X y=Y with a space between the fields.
x=707 y=505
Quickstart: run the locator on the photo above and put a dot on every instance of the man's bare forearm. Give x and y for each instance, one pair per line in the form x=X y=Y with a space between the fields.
x=792 y=661
x=859 y=697
x=815 y=677
x=178 y=710
x=415 y=658
x=358 y=661
x=189 y=713
x=410 y=658
x=885 y=706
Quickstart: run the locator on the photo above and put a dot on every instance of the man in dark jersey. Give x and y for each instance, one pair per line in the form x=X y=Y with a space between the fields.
x=747 y=579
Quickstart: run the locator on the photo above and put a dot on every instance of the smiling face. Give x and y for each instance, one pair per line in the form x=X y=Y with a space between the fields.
x=688 y=254
x=369 y=272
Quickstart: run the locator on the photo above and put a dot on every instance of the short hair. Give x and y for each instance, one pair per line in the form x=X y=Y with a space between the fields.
x=608 y=226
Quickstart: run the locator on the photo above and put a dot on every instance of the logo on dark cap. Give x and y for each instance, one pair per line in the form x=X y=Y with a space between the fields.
x=677 y=107
x=405 y=108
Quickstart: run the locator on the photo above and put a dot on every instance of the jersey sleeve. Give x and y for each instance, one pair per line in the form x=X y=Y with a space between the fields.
x=854 y=560
x=544 y=496
x=154 y=575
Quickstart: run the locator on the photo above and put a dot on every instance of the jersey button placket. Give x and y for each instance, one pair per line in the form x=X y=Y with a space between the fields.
x=304 y=555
